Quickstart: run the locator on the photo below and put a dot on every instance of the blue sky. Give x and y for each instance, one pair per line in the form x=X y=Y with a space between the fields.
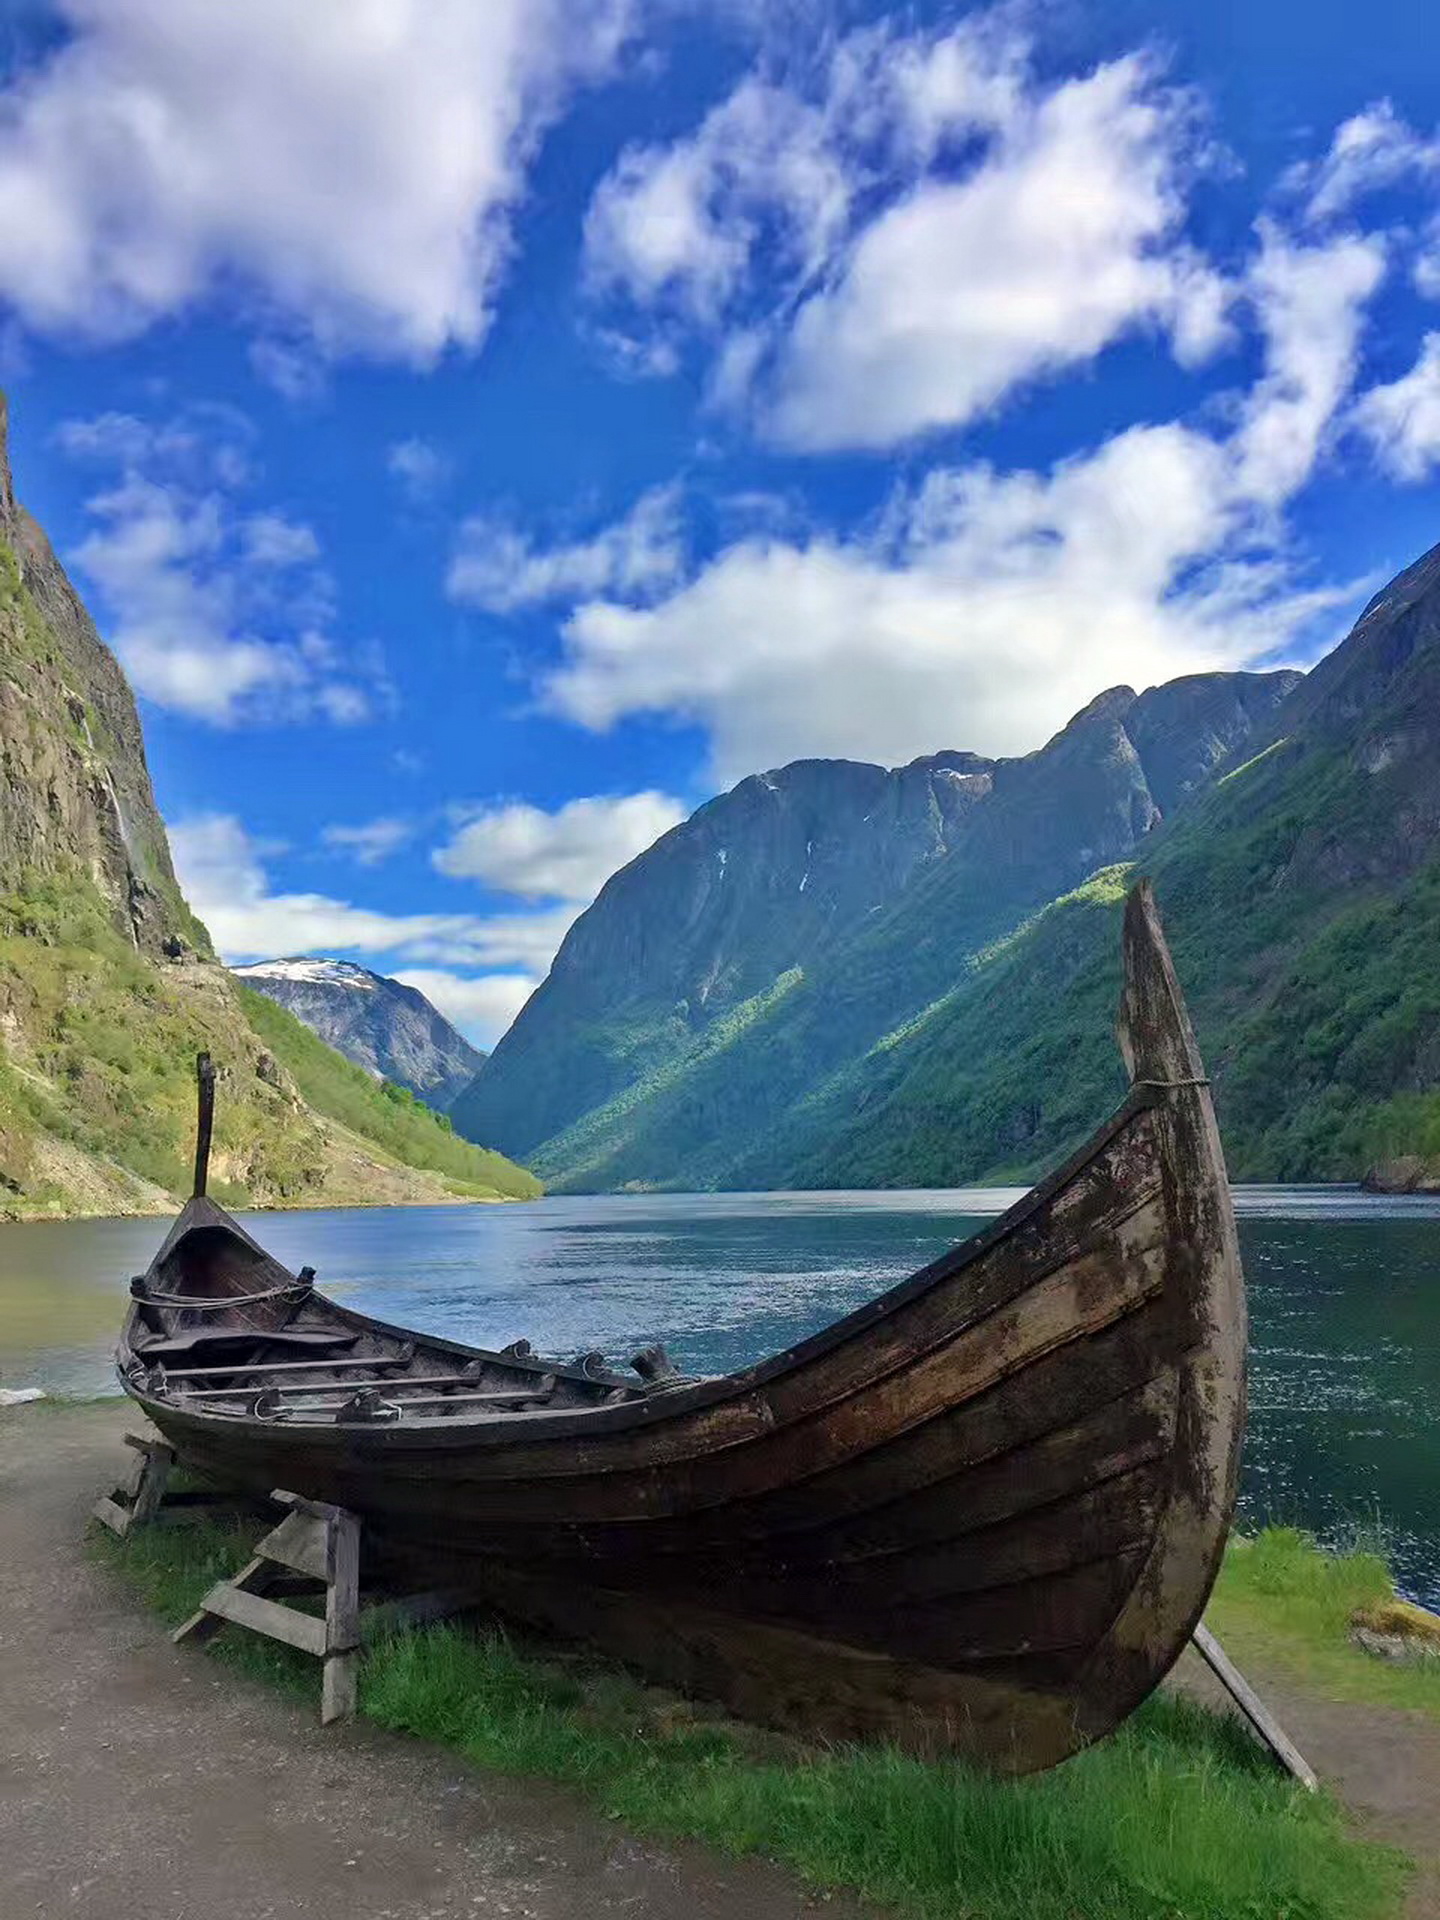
x=486 y=428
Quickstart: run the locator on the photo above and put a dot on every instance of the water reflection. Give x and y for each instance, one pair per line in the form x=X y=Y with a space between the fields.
x=1344 y=1290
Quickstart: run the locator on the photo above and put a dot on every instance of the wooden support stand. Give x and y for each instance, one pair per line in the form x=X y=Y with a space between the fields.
x=1256 y=1715
x=145 y=1496
x=136 y=1501
x=315 y=1550
x=321 y=1545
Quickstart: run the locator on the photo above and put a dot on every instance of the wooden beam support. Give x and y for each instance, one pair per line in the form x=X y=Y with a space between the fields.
x=341 y=1649
x=314 y=1550
x=255 y=1577
x=1256 y=1715
x=270 y=1617
x=137 y=1501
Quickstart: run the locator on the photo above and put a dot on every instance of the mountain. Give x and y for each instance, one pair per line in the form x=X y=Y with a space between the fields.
x=381 y=1024
x=700 y=1008
x=1301 y=894
x=961 y=1029
x=109 y=985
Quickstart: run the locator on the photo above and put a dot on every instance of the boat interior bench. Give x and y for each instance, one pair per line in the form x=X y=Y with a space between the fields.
x=229 y=1340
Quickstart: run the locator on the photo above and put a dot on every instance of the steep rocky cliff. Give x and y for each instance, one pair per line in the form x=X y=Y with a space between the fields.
x=822 y=904
x=75 y=794
x=384 y=1026
x=108 y=984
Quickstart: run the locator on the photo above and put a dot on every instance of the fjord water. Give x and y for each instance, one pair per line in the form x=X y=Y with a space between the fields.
x=1344 y=1433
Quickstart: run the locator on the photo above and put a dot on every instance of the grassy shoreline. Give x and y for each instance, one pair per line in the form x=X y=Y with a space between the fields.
x=1177 y=1817
x=19 y=1217
x=1280 y=1599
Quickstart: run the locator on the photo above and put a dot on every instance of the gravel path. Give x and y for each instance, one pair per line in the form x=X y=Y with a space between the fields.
x=137 y=1779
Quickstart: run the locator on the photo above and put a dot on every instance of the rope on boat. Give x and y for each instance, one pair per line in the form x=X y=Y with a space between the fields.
x=206 y=1303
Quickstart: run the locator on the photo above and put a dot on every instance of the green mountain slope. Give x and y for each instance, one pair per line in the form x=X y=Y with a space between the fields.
x=963 y=1033
x=385 y=1115
x=733 y=979
x=109 y=986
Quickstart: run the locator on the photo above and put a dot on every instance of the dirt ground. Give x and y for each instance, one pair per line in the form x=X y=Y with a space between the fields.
x=139 y=1779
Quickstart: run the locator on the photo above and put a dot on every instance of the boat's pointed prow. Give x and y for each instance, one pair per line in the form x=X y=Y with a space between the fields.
x=1153 y=1028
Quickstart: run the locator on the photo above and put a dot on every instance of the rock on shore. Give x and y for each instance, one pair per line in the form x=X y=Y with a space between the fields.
x=1407 y=1173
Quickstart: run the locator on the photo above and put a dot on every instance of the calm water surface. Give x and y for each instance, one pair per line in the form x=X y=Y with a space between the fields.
x=1344 y=1293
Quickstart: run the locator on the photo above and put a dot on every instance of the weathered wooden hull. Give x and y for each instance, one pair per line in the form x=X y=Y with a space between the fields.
x=982 y=1513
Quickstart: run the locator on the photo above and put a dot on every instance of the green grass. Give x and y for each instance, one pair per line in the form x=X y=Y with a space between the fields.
x=1281 y=1600
x=107 y=1066
x=110 y=1043
x=390 y=1116
x=1177 y=1817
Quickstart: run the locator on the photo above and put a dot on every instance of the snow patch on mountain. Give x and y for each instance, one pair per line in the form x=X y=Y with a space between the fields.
x=385 y=1026
x=340 y=973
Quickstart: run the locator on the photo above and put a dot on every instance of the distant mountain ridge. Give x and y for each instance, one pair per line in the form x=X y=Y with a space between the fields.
x=383 y=1025
x=820 y=905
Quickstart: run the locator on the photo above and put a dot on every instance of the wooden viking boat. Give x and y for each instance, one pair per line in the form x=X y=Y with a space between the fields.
x=981 y=1513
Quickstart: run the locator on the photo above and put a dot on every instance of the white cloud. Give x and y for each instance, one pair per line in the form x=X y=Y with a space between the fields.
x=680 y=224
x=350 y=165
x=528 y=940
x=1310 y=302
x=986 y=607
x=297 y=373
x=479 y=969
x=482 y=1007
x=943 y=226
x=1426 y=272
x=626 y=357
x=372 y=841
x=565 y=855
x=498 y=567
x=222 y=871
x=420 y=468
x=272 y=540
x=1402 y=420
x=1004 y=604
x=207 y=444
x=1372 y=150
x=1059 y=242
x=217 y=614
